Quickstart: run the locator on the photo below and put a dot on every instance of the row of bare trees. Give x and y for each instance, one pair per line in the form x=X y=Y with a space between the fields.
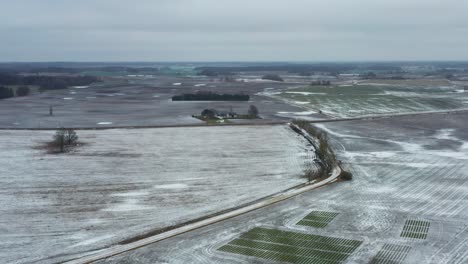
x=325 y=156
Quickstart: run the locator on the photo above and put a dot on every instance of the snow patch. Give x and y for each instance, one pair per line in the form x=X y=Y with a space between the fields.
x=129 y=204
x=445 y=134
x=104 y=123
x=305 y=93
x=131 y=194
x=304 y=113
x=91 y=240
x=171 y=186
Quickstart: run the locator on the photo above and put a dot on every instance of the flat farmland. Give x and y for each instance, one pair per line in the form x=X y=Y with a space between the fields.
x=363 y=100
x=134 y=102
x=407 y=203
x=122 y=183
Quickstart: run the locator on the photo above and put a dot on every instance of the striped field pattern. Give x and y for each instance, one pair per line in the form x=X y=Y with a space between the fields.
x=318 y=219
x=292 y=247
x=391 y=254
x=415 y=229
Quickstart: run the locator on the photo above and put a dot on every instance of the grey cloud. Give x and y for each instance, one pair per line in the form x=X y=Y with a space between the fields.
x=233 y=30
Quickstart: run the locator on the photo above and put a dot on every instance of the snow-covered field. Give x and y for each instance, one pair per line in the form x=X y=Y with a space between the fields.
x=363 y=100
x=404 y=168
x=122 y=183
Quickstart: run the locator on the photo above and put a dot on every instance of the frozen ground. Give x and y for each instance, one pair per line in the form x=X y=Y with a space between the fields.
x=373 y=99
x=404 y=168
x=126 y=182
x=138 y=102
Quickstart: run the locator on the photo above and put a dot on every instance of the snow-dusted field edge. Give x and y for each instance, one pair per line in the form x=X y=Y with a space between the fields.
x=127 y=182
x=412 y=167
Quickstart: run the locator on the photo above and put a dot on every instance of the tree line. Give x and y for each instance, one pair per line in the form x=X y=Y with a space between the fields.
x=208 y=96
x=46 y=82
x=6 y=92
x=324 y=152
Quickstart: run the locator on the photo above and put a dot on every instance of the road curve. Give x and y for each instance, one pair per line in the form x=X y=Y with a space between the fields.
x=116 y=250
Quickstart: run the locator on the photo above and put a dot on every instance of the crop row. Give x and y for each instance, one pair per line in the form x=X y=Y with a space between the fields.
x=308 y=237
x=417 y=223
x=391 y=254
x=298 y=251
x=415 y=229
x=293 y=247
x=281 y=257
x=300 y=243
x=305 y=222
x=413 y=235
x=320 y=216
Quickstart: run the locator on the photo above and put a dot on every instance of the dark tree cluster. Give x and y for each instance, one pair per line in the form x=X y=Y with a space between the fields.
x=320 y=83
x=6 y=92
x=47 y=82
x=211 y=73
x=253 y=111
x=368 y=76
x=71 y=69
x=292 y=68
x=23 y=91
x=208 y=96
x=64 y=138
x=273 y=77
x=323 y=151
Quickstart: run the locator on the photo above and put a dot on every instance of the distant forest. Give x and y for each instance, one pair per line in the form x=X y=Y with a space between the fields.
x=302 y=69
x=211 y=97
x=6 y=92
x=46 y=82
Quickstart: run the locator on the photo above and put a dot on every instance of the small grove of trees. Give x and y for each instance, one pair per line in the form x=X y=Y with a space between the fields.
x=209 y=96
x=23 y=91
x=368 y=76
x=46 y=82
x=6 y=92
x=273 y=77
x=253 y=111
x=64 y=138
x=323 y=151
x=320 y=83
x=310 y=173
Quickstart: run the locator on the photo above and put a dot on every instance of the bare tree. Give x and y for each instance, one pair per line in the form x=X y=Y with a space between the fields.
x=70 y=136
x=253 y=111
x=310 y=172
x=65 y=137
x=23 y=91
x=59 y=139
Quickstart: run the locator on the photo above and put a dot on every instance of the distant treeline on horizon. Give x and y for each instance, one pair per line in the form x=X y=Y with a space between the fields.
x=208 y=96
x=46 y=82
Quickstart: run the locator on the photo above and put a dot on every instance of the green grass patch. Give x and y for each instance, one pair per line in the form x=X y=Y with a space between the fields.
x=292 y=247
x=319 y=219
x=417 y=229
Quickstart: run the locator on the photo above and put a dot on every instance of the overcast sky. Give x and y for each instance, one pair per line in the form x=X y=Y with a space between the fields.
x=233 y=30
